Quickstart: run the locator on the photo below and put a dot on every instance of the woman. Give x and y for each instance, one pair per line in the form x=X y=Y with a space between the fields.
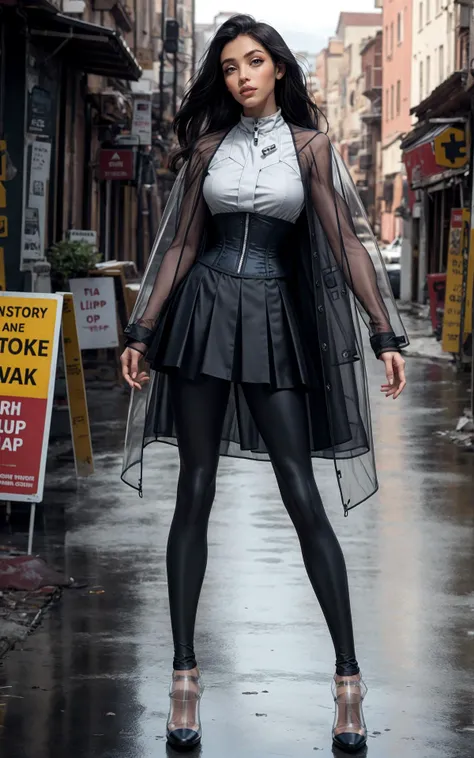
x=247 y=316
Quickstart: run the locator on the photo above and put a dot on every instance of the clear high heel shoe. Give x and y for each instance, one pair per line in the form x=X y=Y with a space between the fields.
x=349 y=731
x=183 y=728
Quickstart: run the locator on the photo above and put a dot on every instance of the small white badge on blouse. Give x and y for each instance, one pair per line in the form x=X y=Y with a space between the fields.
x=267 y=150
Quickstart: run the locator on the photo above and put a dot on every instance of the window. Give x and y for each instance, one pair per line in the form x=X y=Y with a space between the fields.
x=420 y=17
x=386 y=105
x=438 y=6
x=428 y=11
x=428 y=75
x=392 y=102
x=391 y=39
x=441 y=63
x=400 y=28
x=421 y=81
x=399 y=96
x=387 y=52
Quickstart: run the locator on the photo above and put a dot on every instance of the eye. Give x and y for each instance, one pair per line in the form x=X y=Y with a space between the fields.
x=257 y=61
x=229 y=70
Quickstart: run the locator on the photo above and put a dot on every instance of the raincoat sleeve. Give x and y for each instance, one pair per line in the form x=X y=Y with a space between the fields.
x=353 y=259
x=160 y=280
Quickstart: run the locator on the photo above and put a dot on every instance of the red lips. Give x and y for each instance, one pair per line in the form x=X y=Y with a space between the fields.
x=247 y=90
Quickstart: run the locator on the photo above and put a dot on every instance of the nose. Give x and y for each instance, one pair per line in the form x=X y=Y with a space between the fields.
x=243 y=78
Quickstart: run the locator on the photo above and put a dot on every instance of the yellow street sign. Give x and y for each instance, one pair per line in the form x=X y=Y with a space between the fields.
x=76 y=391
x=453 y=298
x=451 y=148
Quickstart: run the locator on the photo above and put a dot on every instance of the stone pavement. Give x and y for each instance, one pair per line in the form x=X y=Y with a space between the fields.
x=92 y=681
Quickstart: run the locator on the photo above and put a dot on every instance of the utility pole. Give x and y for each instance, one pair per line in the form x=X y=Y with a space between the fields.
x=162 y=61
x=175 y=63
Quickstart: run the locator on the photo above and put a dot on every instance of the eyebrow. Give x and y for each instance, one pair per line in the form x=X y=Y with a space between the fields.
x=247 y=55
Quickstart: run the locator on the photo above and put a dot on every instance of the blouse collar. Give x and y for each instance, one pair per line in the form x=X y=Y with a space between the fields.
x=265 y=124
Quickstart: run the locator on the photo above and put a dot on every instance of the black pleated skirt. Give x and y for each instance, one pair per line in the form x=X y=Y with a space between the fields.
x=233 y=327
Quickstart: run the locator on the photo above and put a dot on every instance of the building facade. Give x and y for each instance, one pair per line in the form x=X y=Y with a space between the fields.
x=353 y=30
x=328 y=67
x=433 y=46
x=396 y=118
x=370 y=156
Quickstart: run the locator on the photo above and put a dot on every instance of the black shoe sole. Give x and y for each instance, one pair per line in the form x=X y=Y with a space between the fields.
x=348 y=748
x=183 y=748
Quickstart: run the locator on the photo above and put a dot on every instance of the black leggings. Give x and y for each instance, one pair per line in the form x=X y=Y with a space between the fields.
x=199 y=408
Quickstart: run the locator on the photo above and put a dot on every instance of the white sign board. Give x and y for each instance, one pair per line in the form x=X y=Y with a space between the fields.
x=141 y=124
x=83 y=235
x=34 y=211
x=96 y=316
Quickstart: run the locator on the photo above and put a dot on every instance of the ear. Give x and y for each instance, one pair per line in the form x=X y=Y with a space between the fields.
x=280 y=70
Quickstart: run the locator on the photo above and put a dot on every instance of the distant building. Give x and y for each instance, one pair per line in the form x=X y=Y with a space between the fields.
x=205 y=32
x=370 y=155
x=327 y=71
x=396 y=119
x=353 y=29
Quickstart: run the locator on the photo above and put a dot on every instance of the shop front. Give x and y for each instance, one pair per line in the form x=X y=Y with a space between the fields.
x=47 y=124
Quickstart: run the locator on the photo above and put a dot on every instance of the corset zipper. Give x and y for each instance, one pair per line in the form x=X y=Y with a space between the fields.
x=244 y=244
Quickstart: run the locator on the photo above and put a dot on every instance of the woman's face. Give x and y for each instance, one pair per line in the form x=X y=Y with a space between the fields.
x=250 y=74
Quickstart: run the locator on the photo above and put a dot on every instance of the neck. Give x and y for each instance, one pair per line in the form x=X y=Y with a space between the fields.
x=268 y=108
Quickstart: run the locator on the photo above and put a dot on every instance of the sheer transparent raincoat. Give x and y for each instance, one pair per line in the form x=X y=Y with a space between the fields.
x=338 y=272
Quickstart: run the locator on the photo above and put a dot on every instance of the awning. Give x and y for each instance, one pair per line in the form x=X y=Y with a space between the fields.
x=90 y=47
x=439 y=153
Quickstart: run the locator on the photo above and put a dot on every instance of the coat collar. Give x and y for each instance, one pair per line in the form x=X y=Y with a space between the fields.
x=265 y=124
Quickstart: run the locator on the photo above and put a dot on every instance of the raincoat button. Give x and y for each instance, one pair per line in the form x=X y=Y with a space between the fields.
x=344 y=291
x=324 y=346
x=345 y=353
x=318 y=283
x=315 y=255
x=320 y=308
x=328 y=387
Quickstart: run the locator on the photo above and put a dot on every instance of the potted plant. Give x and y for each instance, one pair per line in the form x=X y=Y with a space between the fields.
x=70 y=260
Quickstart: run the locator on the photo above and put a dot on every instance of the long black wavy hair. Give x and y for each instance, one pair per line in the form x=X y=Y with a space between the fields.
x=208 y=105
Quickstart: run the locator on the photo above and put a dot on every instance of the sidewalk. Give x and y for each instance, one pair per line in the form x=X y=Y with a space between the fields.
x=423 y=344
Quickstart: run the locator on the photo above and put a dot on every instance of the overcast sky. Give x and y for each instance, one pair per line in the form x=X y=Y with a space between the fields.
x=305 y=24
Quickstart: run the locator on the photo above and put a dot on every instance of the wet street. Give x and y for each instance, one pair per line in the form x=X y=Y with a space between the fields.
x=92 y=681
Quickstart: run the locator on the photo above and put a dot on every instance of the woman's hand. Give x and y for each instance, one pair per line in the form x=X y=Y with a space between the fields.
x=395 y=371
x=129 y=360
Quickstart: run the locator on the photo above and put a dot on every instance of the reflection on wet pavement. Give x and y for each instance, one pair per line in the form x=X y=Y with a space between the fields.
x=92 y=681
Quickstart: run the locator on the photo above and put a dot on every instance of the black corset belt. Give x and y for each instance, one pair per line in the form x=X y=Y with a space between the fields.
x=248 y=245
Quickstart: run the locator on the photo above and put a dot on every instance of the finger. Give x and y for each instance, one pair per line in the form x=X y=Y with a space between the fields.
x=126 y=371
x=400 y=389
x=389 y=373
x=134 y=364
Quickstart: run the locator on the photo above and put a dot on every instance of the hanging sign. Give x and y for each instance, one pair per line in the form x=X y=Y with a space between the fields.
x=76 y=390
x=34 y=214
x=453 y=298
x=116 y=164
x=141 y=123
x=29 y=337
x=96 y=312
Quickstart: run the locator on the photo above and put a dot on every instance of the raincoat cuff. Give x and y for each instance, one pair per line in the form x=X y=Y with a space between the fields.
x=384 y=342
x=137 y=333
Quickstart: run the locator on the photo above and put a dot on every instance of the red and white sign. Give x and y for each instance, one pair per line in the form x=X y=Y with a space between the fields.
x=96 y=312
x=29 y=337
x=116 y=164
